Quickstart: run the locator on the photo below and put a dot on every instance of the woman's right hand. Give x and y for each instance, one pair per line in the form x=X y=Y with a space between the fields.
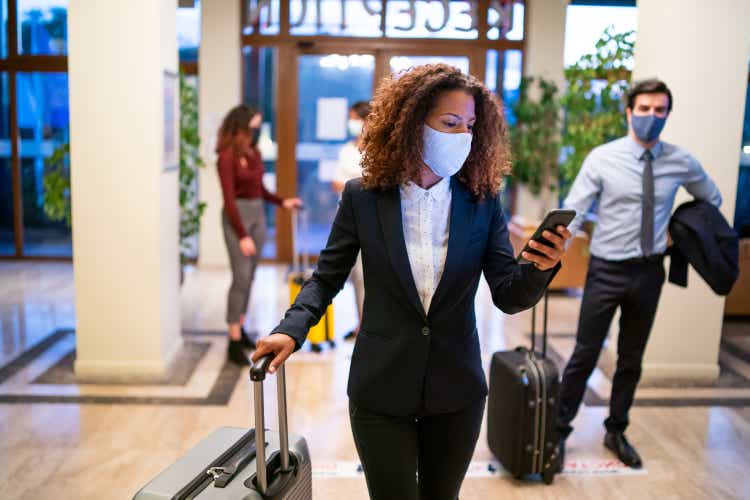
x=247 y=247
x=280 y=344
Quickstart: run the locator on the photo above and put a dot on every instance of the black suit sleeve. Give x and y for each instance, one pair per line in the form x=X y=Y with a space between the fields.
x=334 y=266
x=514 y=286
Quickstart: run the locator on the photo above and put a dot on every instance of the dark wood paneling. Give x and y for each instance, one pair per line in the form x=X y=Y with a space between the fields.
x=354 y=44
x=35 y=63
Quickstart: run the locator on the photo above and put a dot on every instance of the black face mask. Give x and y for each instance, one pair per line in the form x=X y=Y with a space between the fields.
x=254 y=136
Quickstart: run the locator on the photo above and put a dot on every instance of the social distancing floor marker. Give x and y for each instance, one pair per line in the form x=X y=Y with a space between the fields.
x=479 y=469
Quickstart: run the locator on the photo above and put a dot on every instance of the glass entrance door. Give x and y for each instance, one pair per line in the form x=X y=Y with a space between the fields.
x=328 y=85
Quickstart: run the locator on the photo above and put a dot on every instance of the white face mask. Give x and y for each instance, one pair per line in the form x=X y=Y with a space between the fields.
x=355 y=127
x=445 y=153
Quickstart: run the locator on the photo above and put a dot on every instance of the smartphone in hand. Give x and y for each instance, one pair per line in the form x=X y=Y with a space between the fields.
x=554 y=218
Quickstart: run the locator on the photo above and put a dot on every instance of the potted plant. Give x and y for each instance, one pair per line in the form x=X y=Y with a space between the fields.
x=535 y=145
x=593 y=103
x=191 y=210
x=56 y=185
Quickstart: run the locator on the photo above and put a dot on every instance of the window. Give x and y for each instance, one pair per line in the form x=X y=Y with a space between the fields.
x=34 y=94
x=584 y=25
x=259 y=85
x=43 y=27
x=7 y=245
x=42 y=127
x=189 y=32
x=503 y=76
x=425 y=19
x=505 y=20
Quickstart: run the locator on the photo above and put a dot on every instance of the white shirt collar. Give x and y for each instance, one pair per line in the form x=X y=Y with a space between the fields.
x=439 y=192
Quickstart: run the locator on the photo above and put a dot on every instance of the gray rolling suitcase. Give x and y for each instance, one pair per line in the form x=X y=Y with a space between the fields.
x=235 y=463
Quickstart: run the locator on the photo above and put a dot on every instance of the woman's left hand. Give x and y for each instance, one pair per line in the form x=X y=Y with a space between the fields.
x=551 y=255
x=292 y=203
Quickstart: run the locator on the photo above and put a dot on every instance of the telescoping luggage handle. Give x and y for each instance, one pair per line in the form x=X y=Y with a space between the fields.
x=544 y=326
x=258 y=375
x=296 y=251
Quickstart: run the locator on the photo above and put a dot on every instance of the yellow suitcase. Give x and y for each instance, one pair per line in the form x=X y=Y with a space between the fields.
x=323 y=331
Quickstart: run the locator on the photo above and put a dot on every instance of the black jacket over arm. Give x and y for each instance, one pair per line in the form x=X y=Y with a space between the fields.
x=406 y=362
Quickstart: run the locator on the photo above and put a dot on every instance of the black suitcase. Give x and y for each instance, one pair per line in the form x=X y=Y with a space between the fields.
x=521 y=409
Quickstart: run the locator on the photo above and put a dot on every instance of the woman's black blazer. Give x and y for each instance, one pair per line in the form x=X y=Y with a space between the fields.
x=408 y=361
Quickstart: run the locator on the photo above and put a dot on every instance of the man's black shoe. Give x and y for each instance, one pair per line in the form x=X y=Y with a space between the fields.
x=616 y=442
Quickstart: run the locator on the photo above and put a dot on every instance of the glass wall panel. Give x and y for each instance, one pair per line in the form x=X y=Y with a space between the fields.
x=328 y=86
x=430 y=19
x=505 y=20
x=43 y=127
x=259 y=91
x=43 y=27
x=262 y=16
x=335 y=17
x=742 y=208
x=7 y=240
x=584 y=25
x=3 y=29
x=189 y=32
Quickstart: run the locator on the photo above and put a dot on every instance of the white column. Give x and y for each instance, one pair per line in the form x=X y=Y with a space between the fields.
x=701 y=50
x=125 y=206
x=219 y=71
x=545 y=40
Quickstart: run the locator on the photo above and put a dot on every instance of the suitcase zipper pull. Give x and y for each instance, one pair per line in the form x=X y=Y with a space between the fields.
x=216 y=472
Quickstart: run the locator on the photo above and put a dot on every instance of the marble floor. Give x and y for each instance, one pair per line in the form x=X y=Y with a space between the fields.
x=66 y=439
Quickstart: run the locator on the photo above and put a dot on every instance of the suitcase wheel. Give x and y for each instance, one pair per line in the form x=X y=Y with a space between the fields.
x=316 y=347
x=332 y=343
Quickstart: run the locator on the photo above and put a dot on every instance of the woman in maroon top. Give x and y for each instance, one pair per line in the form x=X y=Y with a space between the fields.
x=243 y=218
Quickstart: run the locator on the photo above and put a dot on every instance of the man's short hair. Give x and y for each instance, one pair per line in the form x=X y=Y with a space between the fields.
x=651 y=86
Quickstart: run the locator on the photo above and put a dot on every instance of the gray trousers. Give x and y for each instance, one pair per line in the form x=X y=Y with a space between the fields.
x=243 y=268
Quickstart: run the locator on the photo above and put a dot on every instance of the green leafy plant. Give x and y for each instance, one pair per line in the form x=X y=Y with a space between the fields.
x=534 y=138
x=56 y=184
x=593 y=101
x=56 y=180
x=191 y=210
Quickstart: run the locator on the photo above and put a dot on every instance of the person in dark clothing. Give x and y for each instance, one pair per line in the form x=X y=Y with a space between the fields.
x=634 y=179
x=428 y=221
x=243 y=218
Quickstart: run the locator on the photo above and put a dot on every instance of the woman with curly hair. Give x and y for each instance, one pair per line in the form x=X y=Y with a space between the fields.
x=427 y=218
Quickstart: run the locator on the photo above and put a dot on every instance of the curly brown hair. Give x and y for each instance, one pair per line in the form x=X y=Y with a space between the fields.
x=392 y=141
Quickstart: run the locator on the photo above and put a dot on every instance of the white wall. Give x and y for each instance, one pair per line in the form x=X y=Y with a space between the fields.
x=219 y=91
x=701 y=50
x=125 y=212
x=545 y=41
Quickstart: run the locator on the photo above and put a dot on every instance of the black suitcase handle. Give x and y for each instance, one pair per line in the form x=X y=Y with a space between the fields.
x=544 y=326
